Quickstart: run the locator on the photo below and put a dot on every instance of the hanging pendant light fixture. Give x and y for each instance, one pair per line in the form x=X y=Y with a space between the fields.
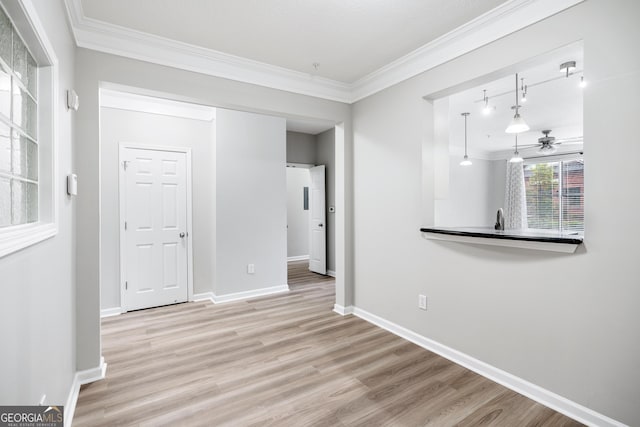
x=516 y=156
x=465 y=161
x=517 y=124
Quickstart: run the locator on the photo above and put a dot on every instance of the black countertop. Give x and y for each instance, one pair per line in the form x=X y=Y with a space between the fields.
x=550 y=236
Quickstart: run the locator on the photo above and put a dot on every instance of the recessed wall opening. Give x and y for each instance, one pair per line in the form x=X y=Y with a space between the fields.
x=535 y=176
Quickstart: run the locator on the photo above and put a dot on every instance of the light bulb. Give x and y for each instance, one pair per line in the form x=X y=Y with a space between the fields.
x=545 y=150
x=486 y=110
x=524 y=97
x=583 y=82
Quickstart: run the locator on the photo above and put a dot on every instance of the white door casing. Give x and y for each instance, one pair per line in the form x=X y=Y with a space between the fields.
x=154 y=249
x=317 y=223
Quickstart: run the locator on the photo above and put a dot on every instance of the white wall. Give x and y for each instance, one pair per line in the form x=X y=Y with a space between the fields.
x=474 y=194
x=37 y=308
x=297 y=216
x=568 y=323
x=97 y=69
x=141 y=128
x=301 y=148
x=251 y=202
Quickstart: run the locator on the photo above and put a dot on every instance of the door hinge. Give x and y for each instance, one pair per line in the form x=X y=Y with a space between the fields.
x=126 y=286
x=125 y=164
x=125 y=226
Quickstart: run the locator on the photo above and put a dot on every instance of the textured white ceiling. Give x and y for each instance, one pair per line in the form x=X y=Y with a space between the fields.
x=348 y=38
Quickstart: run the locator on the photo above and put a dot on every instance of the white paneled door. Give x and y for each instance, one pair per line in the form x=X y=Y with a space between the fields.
x=317 y=223
x=153 y=197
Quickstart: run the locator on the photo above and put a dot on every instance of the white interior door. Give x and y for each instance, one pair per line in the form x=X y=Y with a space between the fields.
x=154 y=258
x=317 y=224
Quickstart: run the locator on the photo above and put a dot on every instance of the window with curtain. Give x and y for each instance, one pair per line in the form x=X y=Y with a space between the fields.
x=18 y=129
x=555 y=194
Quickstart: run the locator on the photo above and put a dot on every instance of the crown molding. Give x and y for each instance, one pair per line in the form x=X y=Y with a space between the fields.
x=499 y=22
x=148 y=104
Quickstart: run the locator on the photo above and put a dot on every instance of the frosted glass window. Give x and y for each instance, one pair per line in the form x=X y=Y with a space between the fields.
x=5 y=94
x=5 y=148
x=25 y=157
x=5 y=202
x=18 y=129
x=24 y=110
x=6 y=30
x=19 y=58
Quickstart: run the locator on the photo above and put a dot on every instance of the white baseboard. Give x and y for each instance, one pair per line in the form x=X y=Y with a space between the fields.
x=218 y=299
x=113 y=311
x=545 y=397
x=342 y=310
x=331 y=273
x=80 y=378
x=298 y=258
x=204 y=296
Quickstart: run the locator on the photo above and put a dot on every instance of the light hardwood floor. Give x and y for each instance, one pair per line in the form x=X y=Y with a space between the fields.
x=285 y=360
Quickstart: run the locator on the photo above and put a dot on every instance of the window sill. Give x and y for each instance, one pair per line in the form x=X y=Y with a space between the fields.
x=18 y=238
x=526 y=239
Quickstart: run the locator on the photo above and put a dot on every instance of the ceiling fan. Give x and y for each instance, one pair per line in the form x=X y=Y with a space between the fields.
x=547 y=144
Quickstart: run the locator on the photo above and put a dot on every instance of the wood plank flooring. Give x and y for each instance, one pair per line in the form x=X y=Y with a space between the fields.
x=285 y=360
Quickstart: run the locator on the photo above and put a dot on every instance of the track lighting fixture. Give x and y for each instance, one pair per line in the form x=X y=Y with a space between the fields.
x=583 y=82
x=568 y=67
x=487 y=108
x=517 y=124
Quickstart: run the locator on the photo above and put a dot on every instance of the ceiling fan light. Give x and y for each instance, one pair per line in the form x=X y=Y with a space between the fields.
x=517 y=125
x=546 y=150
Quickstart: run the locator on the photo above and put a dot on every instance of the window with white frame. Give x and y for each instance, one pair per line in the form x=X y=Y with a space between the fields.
x=555 y=193
x=28 y=103
x=18 y=129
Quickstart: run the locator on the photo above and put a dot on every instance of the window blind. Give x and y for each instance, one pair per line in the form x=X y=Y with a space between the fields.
x=555 y=195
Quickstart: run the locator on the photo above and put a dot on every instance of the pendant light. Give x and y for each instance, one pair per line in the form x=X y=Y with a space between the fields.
x=516 y=156
x=465 y=161
x=517 y=124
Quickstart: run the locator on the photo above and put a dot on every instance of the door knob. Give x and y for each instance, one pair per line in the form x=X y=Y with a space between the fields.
x=320 y=225
x=182 y=235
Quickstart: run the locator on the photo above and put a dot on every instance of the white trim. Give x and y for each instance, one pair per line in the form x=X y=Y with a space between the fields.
x=27 y=22
x=154 y=105
x=123 y=146
x=79 y=379
x=204 y=296
x=219 y=299
x=110 y=312
x=342 y=310
x=567 y=248
x=331 y=273
x=499 y=22
x=297 y=258
x=104 y=37
x=545 y=397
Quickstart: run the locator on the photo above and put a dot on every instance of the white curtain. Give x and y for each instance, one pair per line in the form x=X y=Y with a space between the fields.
x=515 y=202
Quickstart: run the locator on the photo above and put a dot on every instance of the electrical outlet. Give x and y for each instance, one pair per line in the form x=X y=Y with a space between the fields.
x=422 y=302
x=251 y=268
